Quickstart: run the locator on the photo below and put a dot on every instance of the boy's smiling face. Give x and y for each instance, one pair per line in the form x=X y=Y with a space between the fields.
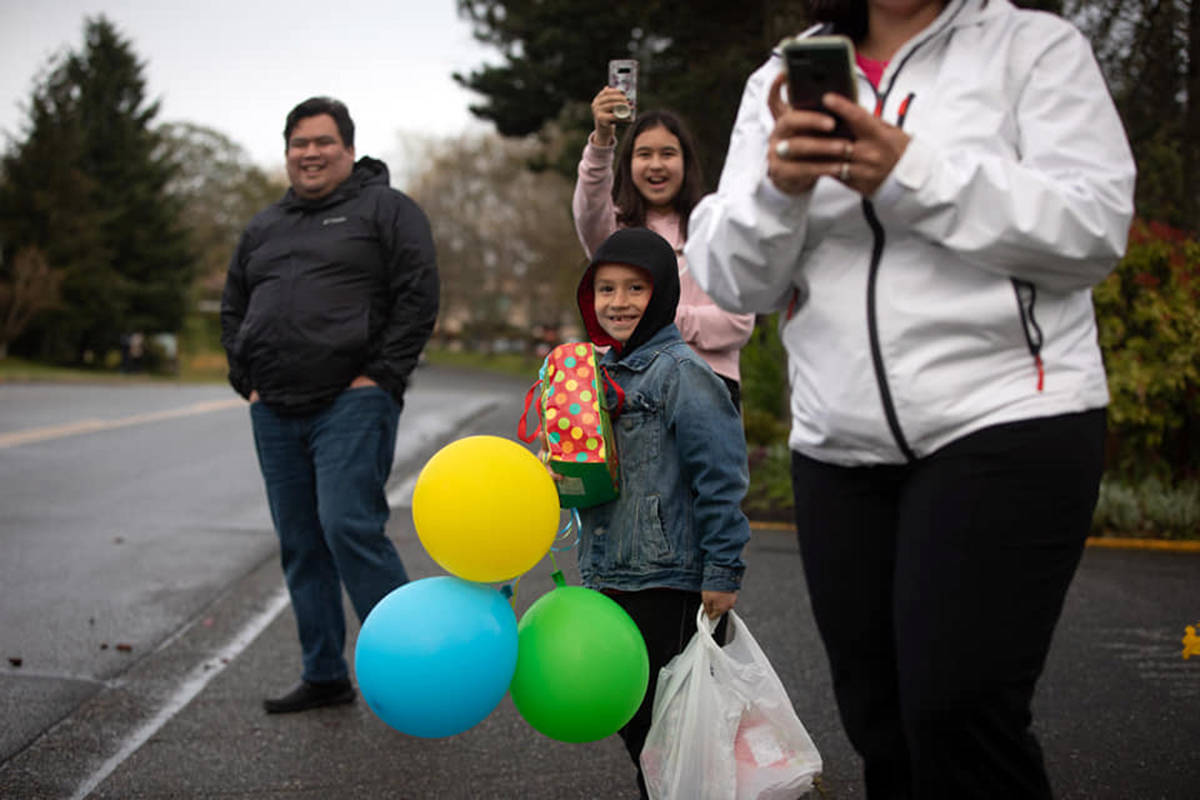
x=621 y=296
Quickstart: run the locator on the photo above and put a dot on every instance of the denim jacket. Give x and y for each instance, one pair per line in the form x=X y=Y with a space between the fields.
x=677 y=522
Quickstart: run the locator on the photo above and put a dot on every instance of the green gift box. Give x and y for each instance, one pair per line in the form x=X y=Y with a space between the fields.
x=577 y=438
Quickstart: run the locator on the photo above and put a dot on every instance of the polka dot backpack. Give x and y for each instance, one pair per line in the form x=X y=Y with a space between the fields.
x=573 y=424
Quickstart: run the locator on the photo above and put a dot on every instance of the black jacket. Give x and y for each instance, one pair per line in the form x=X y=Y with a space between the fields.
x=321 y=291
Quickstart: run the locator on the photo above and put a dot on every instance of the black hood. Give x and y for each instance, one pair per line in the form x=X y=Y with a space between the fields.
x=367 y=172
x=644 y=249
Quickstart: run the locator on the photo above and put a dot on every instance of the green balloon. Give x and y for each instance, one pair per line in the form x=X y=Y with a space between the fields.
x=582 y=667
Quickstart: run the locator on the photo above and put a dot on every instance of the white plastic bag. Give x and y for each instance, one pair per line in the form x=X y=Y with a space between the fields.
x=723 y=727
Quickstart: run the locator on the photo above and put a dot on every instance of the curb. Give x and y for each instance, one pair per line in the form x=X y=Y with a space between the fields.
x=1123 y=543
x=1110 y=542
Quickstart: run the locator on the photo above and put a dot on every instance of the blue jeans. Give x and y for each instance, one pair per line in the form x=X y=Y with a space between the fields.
x=325 y=475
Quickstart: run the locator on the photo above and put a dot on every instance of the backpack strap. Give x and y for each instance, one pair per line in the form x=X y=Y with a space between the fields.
x=618 y=392
x=522 y=425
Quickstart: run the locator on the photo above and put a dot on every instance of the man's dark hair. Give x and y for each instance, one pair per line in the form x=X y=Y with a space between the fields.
x=626 y=197
x=314 y=106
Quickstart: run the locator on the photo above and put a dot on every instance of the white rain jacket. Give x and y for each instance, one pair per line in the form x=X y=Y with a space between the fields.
x=959 y=295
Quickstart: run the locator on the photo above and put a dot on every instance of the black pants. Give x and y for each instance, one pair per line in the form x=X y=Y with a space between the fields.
x=936 y=587
x=735 y=391
x=667 y=621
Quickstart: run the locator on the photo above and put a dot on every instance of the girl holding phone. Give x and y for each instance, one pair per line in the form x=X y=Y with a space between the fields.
x=656 y=184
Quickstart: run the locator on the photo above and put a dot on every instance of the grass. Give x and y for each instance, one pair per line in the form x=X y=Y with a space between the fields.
x=209 y=367
x=203 y=368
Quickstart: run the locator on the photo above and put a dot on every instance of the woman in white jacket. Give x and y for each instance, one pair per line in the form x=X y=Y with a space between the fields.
x=947 y=391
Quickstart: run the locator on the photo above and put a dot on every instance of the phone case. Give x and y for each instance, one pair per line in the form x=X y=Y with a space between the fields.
x=820 y=64
x=622 y=74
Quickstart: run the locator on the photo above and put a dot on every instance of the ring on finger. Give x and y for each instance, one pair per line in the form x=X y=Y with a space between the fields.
x=848 y=152
x=782 y=149
x=844 y=175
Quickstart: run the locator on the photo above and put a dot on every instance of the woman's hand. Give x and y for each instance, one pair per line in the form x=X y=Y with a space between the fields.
x=717 y=603
x=603 y=117
x=798 y=153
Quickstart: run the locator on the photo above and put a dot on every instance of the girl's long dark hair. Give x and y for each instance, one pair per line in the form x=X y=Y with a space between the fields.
x=848 y=17
x=631 y=206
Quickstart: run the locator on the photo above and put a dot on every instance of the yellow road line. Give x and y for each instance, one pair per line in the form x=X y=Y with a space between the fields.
x=1123 y=543
x=48 y=432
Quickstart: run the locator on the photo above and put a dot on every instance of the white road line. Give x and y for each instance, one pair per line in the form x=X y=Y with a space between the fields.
x=204 y=672
x=401 y=495
x=191 y=686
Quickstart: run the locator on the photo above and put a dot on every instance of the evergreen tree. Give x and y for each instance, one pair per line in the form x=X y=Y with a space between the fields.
x=87 y=186
x=1150 y=53
x=220 y=190
x=694 y=58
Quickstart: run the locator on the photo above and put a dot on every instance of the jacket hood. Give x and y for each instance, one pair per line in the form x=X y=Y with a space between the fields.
x=367 y=172
x=646 y=250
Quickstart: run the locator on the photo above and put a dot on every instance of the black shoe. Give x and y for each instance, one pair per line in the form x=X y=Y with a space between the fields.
x=308 y=695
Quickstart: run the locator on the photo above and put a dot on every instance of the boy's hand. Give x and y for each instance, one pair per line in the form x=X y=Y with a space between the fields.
x=717 y=603
x=544 y=457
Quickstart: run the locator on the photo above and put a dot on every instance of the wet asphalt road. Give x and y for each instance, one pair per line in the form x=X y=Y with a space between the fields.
x=1118 y=710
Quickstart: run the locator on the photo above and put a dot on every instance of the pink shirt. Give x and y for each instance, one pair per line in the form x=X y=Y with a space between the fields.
x=715 y=334
x=871 y=68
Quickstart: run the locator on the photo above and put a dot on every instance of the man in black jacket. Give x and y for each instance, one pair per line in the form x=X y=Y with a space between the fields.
x=330 y=297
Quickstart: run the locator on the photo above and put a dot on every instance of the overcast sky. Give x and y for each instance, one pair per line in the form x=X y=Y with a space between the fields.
x=239 y=66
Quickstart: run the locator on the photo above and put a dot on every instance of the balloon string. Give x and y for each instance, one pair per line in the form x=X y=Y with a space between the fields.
x=509 y=590
x=565 y=531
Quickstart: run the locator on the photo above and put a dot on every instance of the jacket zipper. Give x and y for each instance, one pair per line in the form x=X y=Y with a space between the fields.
x=885 y=391
x=1026 y=299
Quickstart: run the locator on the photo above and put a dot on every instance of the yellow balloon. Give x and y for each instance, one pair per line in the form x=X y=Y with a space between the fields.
x=485 y=509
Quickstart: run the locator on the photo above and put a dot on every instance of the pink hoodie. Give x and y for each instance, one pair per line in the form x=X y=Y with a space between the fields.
x=716 y=335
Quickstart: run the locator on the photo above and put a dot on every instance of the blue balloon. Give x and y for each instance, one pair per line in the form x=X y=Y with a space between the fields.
x=436 y=655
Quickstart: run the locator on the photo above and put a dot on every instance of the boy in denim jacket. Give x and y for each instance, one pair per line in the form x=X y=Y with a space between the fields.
x=673 y=538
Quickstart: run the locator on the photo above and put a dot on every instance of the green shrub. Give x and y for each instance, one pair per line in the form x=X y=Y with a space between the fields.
x=1148 y=313
x=764 y=382
x=763 y=428
x=1117 y=508
x=769 y=498
x=1172 y=512
x=766 y=417
x=1151 y=507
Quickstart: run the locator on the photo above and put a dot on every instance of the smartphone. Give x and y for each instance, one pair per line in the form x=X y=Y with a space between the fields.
x=622 y=74
x=817 y=65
